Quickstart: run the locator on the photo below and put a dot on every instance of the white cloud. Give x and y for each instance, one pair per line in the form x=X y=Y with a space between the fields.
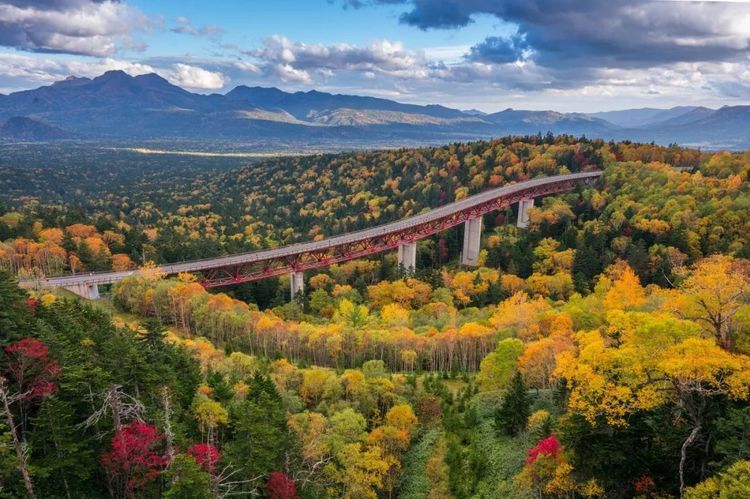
x=45 y=70
x=41 y=70
x=441 y=73
x=185 y=26
x=294 y=60
x=77 y=27
x=245 y=66
x=288 y=73
x=195 y=77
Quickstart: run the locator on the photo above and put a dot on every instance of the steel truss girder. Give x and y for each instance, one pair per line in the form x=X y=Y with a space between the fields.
x=248 y=272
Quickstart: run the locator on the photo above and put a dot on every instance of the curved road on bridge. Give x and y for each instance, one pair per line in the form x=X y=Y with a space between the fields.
x=532 y=187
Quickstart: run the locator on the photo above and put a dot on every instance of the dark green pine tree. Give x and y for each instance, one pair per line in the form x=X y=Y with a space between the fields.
x=186 y=480
x=154 y=334
x=85 y=254
x=15 y=318
x=221 y=389
x=9 y=475
x=586 y=265
x=513 y=414
x=259 y=432
x=732 y=437
x=64 y=460
x=101 y=261
x=5 y=232
x=68 y=244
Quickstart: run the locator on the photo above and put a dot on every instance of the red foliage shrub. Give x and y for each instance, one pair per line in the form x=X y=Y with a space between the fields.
x=280 y=486
x=549 y=446
x=43 y=388
x=30 y=367
x=206 y=455
x=28 y=348
x=133 y=460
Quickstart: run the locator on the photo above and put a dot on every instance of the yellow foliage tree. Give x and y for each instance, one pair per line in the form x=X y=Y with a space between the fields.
x=394 y=314
x=121 y=261
x=626 y=291
x=715 y=290
x=538 y=361
x=313 y=385
x=402 y=417
x=363 y=471
x=656 y=360
x=210 y=415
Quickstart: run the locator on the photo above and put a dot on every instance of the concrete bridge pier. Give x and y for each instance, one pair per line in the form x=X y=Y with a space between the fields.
x=407 y=256
x=523 y=213
x=88 y=291
x=297 y=283
x=472 y=242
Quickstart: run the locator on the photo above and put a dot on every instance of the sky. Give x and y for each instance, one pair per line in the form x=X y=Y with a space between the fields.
x=564 y=55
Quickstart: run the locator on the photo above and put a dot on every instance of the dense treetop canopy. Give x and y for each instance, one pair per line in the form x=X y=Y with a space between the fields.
x=603 y=352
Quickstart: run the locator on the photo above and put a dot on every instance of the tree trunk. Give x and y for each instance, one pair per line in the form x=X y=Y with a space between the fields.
x=17 y=443
x=683 y=456
x=168 y=433
x=114 y=400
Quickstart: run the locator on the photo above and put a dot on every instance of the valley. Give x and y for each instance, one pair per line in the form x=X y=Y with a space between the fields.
x=376 y=378
x=374 y=249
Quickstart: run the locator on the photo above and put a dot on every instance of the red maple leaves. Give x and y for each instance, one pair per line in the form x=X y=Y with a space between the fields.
x=206 y=455
x=280 y=486
x=133 y=460
x=549 y=446
x=30 y=366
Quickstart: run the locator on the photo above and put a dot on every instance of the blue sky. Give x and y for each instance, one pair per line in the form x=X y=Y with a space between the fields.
x=246 y=23
x=566 y=55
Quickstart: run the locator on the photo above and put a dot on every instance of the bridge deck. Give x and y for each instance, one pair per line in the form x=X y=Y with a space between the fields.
x=348 y=238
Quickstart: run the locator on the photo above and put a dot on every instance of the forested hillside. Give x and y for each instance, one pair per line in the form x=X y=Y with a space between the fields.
x=172 y=208
x=603 y=352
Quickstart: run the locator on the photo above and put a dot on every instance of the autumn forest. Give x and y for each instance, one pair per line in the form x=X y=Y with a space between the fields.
x=602 y=352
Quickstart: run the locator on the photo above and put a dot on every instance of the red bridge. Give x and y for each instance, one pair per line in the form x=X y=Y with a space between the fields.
x=402 y=235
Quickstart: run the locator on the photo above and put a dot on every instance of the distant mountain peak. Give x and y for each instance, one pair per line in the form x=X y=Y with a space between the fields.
x=118 y=105
x=243 y=90
x=71 y=80
x=113 y=74
x=151 y=77
x=302 y=104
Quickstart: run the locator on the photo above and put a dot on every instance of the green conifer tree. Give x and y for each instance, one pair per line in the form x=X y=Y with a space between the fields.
x=513 y=414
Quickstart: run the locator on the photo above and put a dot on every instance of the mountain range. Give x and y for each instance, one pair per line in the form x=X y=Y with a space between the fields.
x=117 y=106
